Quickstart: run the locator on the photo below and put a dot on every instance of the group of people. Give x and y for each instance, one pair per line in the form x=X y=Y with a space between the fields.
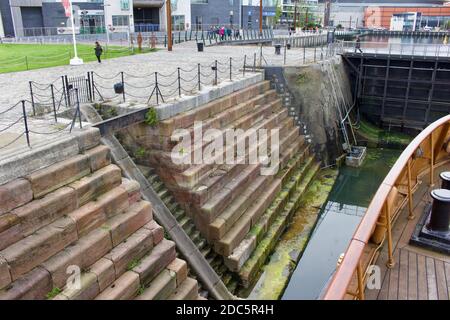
x=223 y=32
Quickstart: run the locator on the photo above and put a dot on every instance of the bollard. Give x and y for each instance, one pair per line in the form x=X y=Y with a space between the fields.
x=445 y=177
x=440 y=211
x=25 y=122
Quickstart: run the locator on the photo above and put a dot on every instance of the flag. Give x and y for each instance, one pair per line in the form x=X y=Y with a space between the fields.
x=66 y=4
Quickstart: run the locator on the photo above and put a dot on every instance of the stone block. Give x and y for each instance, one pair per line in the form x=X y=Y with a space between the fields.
x=88 y=217
x=60 y=174
x=42 y=212
x=91 y=187
x=123 y=225
x=88 y=139
x=128 y=254
x=29 y=252
x=104 y=270
x=88 y=290
x=99 y=157
x=113 y=202
x=5 y=276
x=35 y=285
x=157 y=231
x=153 y=264
x=10 y=236
x=14 y=194
x=180 y=268
x=161 y=287
x=124 y=288
x=82 y=254
x=188 y=290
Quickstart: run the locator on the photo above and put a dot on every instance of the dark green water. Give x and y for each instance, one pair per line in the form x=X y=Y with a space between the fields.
x=347 y=203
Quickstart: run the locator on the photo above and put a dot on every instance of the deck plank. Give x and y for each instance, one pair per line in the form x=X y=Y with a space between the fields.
x=422 y=287
x=393 y=279
x=403 y=275
x=440 y=280
x=412 y=276
x=431 y=279
x=447 y=276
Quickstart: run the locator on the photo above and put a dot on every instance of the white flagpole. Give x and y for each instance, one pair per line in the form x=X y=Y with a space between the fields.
x=75 y=61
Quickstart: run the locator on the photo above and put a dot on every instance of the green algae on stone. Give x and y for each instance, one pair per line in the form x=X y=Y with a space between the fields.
x=288 y=250
x=376 y=136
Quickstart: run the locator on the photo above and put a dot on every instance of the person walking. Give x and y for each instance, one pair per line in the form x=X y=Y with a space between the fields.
x=98 y=51
x=358 y=45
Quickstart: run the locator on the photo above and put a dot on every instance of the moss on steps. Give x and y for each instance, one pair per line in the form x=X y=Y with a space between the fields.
x=291 y=196
x=378 y=137
x=288 y=251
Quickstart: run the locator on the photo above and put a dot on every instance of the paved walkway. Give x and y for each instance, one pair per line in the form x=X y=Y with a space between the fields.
x=139 y=78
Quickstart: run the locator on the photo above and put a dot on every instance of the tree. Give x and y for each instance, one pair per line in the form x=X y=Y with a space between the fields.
x=278 y=12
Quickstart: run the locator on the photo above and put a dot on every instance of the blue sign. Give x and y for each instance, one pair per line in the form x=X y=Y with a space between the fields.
x=269 y=14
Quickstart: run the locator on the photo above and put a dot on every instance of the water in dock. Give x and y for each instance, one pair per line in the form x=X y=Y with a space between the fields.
x=347 y=203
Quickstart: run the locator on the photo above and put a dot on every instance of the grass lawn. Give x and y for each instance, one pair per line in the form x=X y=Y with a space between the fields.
x=20 y=57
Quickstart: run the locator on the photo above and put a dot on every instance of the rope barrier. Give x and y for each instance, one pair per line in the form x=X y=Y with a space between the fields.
x=9 y=109
x=11 y=125
x=13 y=141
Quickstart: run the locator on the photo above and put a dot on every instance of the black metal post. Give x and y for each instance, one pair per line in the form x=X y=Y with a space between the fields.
x=254 y=62
x=32 y=98
x=25 y=122
x=64 y=91
x=245 y=63
x=179 y=82
x=231 y=69
x=215 y=72
x=198 y=76
x=123 y=85
x=78 y=107
x=156 y=88
x=89 y=85
x=68 y=90
x=53 y=101
x=93 y=85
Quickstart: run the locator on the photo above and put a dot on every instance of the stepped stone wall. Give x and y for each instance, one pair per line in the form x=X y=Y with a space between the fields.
x=66 y=213
x=232 y=207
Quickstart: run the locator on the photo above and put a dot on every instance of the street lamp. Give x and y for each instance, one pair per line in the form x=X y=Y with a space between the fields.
x=169 y=25
x=106 y=26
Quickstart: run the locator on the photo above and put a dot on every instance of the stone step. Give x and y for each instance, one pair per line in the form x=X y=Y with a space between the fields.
x=219 y=202
x=223 y=174
x=238 y=231
x=159 y=258
x=29 y=252
x=34 y=285
x=161 y=287
x=175 y=158
x=188 y=290
x=249 y=272
x=90 y=187
x=261 y=221
x=187 y=119
x=235 y=210
x=193 y=174
x=226 y=118
x=124 y=288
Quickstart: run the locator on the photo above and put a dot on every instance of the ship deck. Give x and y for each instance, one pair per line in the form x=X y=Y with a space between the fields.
x=419 y=273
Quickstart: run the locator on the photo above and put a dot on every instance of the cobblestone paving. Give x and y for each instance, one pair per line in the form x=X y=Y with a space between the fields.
x=139 y=78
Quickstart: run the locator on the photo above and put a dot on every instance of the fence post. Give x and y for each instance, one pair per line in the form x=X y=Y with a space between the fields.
x=304 y=54
x=64 y=91
x=156 y=88
x=254 y=62
x=231 y=70
x=165 y=40
x=32 y=98
x=68 y=90
x=93 y=85
x=123 y=85
x=78 y=107
x=53 y=102
x=215 y=72
x=179 y=82
x=25 y=122
x=245 y=63
x=285 y=53
x=198 y=76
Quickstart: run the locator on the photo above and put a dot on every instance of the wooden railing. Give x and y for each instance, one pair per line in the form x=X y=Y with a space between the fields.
x=428 y=150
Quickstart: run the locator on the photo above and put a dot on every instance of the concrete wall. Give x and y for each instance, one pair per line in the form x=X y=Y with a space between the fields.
x=6 y=17
x=314 y=98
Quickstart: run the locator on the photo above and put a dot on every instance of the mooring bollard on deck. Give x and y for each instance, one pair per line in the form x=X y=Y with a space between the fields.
x=445 y=177
x=440 y=211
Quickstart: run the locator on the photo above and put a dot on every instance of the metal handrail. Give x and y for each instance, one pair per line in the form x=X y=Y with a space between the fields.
x=430 y=148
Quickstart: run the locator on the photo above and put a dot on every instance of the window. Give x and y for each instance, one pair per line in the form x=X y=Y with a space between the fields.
x=199 y=1
x=120 y=20
x=125 y=5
